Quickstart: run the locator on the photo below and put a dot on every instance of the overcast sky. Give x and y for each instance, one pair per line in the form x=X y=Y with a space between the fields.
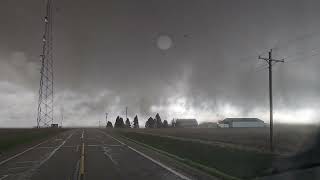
x=112 y=54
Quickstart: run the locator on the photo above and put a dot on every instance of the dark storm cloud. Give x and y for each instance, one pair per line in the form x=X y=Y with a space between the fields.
x=106 y=57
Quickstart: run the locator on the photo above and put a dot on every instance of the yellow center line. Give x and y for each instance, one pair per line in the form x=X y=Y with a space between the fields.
x=81 y=171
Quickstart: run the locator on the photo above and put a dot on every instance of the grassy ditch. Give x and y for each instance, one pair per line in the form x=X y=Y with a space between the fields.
x=218 y=161
x=11 y=138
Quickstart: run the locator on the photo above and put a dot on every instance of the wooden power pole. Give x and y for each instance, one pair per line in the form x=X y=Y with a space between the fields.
x=270 y=62
x=126 y=112
x=106 y=119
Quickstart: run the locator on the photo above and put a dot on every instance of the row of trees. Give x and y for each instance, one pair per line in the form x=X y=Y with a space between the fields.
x=121 y=124
x=156 y=122
x=151 y=123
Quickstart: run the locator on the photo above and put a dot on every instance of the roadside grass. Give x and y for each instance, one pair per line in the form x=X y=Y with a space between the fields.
x=288 y=139
x=211 y=171
x=11 y=138
x=218 y=161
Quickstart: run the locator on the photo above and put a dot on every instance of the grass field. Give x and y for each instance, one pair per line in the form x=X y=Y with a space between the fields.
x=237 y=163
x=244 y=163
x=11 y=138
x=287 y=138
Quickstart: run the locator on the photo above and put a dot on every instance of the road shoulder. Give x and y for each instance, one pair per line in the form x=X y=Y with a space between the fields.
x=182 y=168
x=23 y=147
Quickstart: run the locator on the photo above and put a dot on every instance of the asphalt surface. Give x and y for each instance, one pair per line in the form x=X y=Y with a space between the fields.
x=89 y=154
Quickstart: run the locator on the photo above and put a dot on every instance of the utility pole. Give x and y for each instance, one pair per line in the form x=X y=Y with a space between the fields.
x=62 y=111
x=270 y=61
x=106 y=119
x=126 y=112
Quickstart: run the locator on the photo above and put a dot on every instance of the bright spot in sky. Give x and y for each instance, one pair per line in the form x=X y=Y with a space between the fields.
x=303 y=116
x=296 y=116
x=164 y=42
x=177 y=107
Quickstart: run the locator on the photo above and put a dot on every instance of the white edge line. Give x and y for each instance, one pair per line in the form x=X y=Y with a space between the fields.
x=19 y=154
x=109 y=156
x=103 y=145
x=52 y=147
x=93 y=145
x=56 y=149
x=160 y=164
x=21 y=167
x=22 y=162
x=151 y=159
x=3 y=177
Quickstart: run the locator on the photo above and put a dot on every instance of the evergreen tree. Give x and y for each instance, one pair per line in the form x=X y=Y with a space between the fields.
x=135 y=122
x=117 y=123
x=109 y=124
x=158 y=121
x=150 y=123
x=165 y=124
x=121 y=123
x=128 y=124
x=147 y=124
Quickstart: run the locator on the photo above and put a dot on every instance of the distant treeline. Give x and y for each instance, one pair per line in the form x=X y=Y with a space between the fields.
x=119 y=123
x=150 y=123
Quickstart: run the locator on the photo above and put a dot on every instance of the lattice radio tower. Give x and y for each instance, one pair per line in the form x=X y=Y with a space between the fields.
x=45 y=102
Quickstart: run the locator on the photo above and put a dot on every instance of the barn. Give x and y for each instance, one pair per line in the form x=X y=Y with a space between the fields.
x=242 y=122
x=186 y=123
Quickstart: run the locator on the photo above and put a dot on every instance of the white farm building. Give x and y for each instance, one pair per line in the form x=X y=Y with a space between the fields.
x=241 y=122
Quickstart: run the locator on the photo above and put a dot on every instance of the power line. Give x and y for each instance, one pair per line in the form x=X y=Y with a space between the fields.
x=253 y=56
x=270 y=62
x=261 y=68
x=297 y=39
x=295 y=58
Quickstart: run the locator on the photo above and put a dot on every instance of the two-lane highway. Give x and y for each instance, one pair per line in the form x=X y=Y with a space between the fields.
x=25 y=164
x=107 y=158
x=62 y=162
x=89 y=154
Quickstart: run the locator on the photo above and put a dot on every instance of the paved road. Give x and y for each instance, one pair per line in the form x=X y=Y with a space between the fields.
x=104 y=157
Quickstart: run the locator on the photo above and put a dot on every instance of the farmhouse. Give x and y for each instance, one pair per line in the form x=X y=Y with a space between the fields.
x=186 y=123
x=241 y=122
